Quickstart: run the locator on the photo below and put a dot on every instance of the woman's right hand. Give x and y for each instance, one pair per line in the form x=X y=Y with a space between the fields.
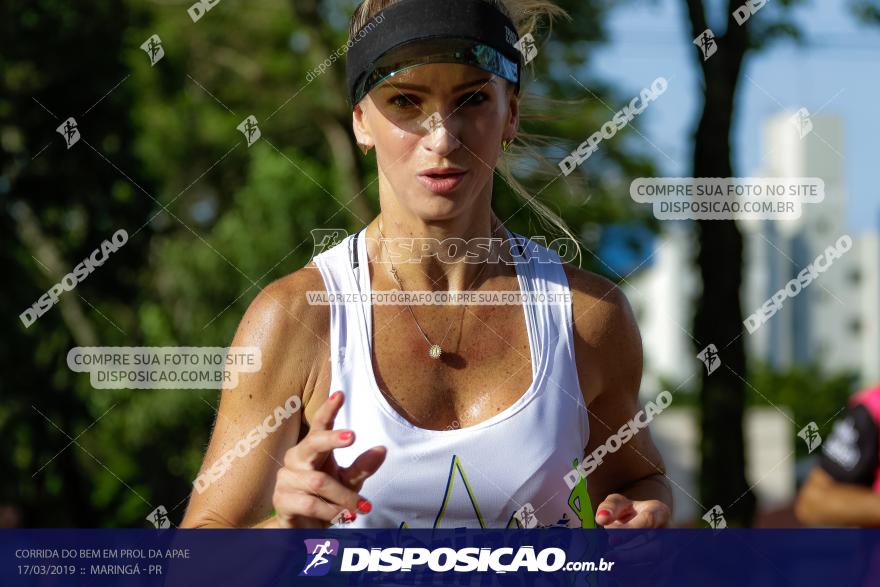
x=311 y=490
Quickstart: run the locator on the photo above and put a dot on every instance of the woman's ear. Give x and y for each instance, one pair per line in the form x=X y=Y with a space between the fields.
x=359 y=124
x=513 y=118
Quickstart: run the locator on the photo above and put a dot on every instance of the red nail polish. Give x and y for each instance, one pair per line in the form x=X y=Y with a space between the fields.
x=603 y=512
x=364 y=506
x=335 y=395
x=345 y=436
x=349 y=516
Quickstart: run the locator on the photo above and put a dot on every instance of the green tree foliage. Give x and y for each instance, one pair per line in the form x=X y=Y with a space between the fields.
x=210 y=220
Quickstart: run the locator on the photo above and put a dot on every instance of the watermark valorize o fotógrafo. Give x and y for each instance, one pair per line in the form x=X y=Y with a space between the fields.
x=74 y=278
x=397 y=297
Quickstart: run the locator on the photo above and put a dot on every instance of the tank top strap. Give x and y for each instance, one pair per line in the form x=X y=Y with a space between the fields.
x=549 y=298
x=361 y=268
x=521 y=259
x=338 y=267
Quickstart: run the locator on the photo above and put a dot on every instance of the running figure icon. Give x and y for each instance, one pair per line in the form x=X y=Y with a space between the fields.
x=318 y=556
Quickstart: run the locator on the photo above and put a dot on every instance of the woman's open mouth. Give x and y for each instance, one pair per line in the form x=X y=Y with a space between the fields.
x=442 y=181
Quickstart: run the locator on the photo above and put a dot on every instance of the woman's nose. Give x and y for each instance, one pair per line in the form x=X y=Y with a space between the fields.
x=442 y=136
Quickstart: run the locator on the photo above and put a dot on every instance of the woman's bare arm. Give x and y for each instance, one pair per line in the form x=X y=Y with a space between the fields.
x=291 y=336
x=609 y=354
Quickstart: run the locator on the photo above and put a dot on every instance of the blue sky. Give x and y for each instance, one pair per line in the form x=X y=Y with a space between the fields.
x=837 y=71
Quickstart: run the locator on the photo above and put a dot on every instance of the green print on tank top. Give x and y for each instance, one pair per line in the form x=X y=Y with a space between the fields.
x=578 y=500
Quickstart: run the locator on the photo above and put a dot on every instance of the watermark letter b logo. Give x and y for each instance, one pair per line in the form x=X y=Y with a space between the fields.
x=250 y=130
x=153 y=48
x=70 y=131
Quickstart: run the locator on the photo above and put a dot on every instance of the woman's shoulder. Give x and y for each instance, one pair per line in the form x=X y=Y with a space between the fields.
x=287 y=333
x=607 y=338
x=290 y=303
x=599 y=298
x=288 y=326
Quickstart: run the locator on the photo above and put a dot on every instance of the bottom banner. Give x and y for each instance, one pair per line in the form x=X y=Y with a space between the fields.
x=440 y=557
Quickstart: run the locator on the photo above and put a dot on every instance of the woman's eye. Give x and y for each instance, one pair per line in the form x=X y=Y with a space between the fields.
x=475 y=99
x=403 y=101
x=410 y=101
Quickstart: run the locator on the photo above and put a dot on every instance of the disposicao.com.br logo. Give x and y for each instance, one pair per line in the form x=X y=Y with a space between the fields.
x=320 y=554
x=439 y=560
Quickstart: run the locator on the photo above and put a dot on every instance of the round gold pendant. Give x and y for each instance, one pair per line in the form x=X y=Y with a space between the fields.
x=435 y=351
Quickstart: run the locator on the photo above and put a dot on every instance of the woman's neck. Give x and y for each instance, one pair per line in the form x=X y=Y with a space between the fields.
x=455 y=255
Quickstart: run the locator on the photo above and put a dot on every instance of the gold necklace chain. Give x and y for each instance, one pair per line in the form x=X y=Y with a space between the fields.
x=435 y=351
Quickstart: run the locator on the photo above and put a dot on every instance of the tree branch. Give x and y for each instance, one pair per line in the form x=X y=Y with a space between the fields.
x=337 y=131
x=42 y=248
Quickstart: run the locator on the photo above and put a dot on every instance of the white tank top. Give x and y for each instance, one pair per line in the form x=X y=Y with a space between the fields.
x=505 y=472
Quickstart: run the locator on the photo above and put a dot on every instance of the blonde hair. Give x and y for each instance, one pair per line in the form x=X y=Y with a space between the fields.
x=529 y=17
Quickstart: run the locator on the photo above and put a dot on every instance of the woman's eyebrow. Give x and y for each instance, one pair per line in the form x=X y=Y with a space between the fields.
x=426 y=89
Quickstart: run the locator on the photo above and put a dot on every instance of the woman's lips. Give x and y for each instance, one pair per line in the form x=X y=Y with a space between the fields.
x=444 y=183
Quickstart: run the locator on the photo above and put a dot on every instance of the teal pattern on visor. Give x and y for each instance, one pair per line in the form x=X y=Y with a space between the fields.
x=418 y=32
x=462 y=51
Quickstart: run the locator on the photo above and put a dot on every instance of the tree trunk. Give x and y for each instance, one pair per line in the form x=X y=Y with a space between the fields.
x=718 y=316
x=337 y=124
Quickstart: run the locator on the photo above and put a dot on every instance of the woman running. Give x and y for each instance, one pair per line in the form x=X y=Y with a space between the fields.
x=418 y=412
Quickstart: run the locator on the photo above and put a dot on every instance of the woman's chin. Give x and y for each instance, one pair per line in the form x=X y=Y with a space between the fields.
x=430 y=206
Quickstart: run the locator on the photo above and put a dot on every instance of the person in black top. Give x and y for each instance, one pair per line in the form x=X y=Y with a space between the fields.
x=841 y=490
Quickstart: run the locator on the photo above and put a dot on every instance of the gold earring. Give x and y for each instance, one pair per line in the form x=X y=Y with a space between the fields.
x=505 y=145
x=364 y=148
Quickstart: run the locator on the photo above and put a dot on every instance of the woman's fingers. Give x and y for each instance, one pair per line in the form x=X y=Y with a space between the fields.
x=310 y=506
x=643 y=519
x=615 y=508
x=617 y=511
x=652 y=513
x=295 y=508
x=367 y=463
x=326 y=414
x=312 y=450
x=323 y=485
x=303 y=497
x=311 y=489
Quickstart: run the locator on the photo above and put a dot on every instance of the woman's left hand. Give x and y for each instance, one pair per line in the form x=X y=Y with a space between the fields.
x=618 y=511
